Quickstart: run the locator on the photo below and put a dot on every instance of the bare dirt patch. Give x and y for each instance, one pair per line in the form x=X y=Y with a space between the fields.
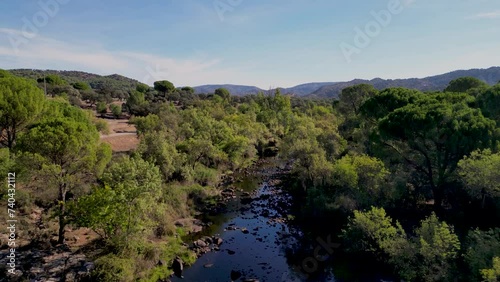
x=122 y=137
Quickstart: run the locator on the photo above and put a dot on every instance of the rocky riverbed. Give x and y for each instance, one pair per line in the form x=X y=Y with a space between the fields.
x=248 y=236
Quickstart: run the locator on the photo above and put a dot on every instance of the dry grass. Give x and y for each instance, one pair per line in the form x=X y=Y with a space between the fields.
x=122 y=137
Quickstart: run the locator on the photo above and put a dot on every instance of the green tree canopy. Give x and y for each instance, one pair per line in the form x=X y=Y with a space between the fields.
x=164 y=86
x=52 y=79
x=223 y=93
x=80 y=85
x=121 y=207
x=481 y=248
x=489 y=101
x=101 y=108
x=432 y=136
x=372 y=231
x=21 y=101
x=481 y=173
x=464 y=84
x=492 y=274
x=116 y=110
x=4 y=73
x=65 y=153
x=352 y=97
x=141 y=87
x=387 y=101
x=137 y=104
x=188 y=89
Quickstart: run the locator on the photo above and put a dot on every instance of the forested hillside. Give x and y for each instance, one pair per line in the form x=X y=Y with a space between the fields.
x=432 y=83
x=408 y=181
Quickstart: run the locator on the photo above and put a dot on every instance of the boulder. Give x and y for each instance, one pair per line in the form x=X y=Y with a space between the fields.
x=178 y=267
x=235 y=275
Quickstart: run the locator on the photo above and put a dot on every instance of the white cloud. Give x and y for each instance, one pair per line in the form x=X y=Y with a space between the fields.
x=489 y=15
x=47 y=53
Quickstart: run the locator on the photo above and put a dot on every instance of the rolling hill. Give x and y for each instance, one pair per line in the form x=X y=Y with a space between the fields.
x=233 y=89
x=431 y=83
x=115 y=81
x=312 y=90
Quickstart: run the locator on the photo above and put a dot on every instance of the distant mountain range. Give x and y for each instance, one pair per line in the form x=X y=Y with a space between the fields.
x=299 y=90
x=431 y=83
x=333 y=89
x=312 y=90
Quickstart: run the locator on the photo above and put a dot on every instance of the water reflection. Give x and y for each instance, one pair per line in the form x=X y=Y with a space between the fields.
x=258 y=242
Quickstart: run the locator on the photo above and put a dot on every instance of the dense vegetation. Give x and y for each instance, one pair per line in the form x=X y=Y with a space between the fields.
x=412 y=176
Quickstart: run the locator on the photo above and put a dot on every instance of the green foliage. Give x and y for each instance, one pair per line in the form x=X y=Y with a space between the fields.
x=429 y=256
x=275 y=112
x=149 y=123
x=21 y=101
x=141 y=87
x=438 y=248
x=492 y=274
x=156 y=148
x=101 y=108
x=116 y=110
x=137 y=104
x=80 y=85
x=351 y=98
x=4 y=73
x=362 y=179
x=188 y=89
x=481 y=173
x=489 y=100
x=301 y=144
x=204 y=175
x=164 y=86
x=114 y=269
x=223 y=93
x=464 y=84
x=122 y=208
x=441 y=133
x=481 y=248
x=65 y=154
x=240 y=151
x=372 y=231
x=52 y=79
x=388 y=101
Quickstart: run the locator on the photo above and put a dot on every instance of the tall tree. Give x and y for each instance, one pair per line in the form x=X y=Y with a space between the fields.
x=141 y=87
x=164 y=87
x=21 y=101
x=387 y=101
x=137 y=104
x=223 y=93
x=464 y=84
x=432 y=135
x=489 y=101
x=80 y=85
x=351 y=98
x=481 y=173
x=66 y=153
x=120 y=208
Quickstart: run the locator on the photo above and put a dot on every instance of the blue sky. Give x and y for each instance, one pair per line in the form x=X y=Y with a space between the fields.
x=267 y=43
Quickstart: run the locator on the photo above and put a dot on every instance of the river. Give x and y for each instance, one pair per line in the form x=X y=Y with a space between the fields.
x=259 y=241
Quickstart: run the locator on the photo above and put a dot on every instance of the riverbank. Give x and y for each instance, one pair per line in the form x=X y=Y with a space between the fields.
x=253 y=238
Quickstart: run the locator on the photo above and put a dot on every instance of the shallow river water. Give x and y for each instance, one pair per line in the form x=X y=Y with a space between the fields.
x=258 y=242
